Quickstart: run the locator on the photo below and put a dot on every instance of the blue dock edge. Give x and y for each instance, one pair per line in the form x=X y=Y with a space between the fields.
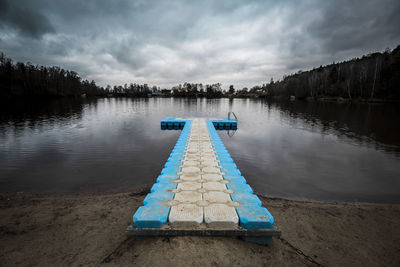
x=251 y=213
x=176 y=123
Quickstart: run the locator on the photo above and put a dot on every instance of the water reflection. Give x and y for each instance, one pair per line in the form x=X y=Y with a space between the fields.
x=375 y=124
x=19 y=115
x=323 y=151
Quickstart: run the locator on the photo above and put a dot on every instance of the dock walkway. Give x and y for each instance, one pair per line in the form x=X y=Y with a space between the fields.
x=201 y=187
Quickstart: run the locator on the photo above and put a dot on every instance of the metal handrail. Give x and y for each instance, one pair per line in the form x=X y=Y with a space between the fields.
x=229 y=115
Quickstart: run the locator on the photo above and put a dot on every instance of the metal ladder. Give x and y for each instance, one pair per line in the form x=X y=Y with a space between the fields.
x=233 y=113
x=231 y=132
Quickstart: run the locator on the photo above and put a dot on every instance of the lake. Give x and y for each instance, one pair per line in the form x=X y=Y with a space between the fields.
x=302 y=150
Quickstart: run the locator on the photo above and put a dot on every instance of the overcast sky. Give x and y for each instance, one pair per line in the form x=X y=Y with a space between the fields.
x=165 y=43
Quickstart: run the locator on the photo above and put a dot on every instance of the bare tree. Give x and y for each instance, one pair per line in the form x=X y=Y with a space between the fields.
x=375 y=73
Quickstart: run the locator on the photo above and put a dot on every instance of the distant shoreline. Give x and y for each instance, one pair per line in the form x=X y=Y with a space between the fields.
x=278 y=98
x=373 y=76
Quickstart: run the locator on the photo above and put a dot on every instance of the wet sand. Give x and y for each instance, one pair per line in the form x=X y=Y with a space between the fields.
x=88 y=230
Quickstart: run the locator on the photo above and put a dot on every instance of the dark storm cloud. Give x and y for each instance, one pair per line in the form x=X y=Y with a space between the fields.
x=343 y=26
x=28 y=21
x=169 y=42
x=342 y=30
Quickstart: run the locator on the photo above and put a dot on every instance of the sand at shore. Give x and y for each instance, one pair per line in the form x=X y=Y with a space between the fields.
x=54 y=230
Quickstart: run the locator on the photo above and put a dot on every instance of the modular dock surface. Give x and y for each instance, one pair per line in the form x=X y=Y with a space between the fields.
x=201 y=191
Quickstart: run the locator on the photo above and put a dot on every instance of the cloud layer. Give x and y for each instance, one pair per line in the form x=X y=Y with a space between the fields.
x=169 y=42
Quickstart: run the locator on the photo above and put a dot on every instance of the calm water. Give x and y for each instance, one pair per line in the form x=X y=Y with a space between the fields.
x=321 y=151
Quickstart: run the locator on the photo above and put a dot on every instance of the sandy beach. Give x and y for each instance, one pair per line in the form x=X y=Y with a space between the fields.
x=88 y=230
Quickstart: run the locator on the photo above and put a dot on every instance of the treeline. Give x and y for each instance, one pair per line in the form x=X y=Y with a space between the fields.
x=375 y=76
x=26 y=80
x=131 y=90
x=196 y=90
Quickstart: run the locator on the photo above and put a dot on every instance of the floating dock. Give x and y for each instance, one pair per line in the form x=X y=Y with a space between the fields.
x=200 y=190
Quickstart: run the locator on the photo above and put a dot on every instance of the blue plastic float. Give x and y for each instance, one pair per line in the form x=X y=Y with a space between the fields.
x=256 y=224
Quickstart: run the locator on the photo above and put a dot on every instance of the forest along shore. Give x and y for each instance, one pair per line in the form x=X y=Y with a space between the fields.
x=371 y=78
x=88 y=229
